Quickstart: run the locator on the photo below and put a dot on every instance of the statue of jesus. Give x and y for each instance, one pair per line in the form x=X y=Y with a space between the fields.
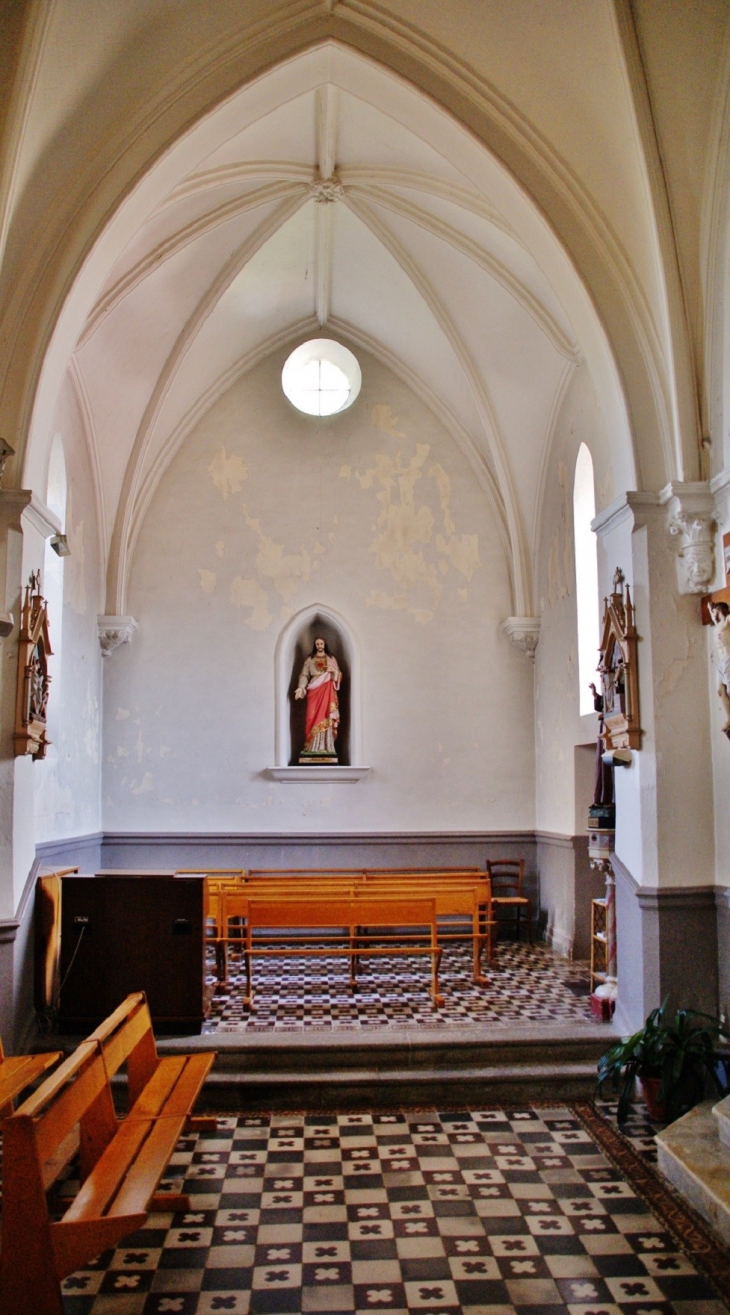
x=720 y=615
x=319 y=680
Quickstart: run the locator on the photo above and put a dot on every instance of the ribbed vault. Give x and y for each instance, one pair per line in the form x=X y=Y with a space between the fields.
x=331 y=193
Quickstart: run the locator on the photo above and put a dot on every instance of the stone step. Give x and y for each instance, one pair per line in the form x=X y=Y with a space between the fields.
x=324 y=1051
x=337 y=1089
x=697 y=1163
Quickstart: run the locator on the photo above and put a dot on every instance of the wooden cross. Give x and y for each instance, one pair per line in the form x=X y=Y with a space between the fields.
x=720 y=595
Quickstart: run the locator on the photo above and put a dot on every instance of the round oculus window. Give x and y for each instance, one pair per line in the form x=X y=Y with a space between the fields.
x=321 y=377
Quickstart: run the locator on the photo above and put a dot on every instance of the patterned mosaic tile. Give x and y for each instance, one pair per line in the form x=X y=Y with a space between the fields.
x=491 y=1212
x=525 y=984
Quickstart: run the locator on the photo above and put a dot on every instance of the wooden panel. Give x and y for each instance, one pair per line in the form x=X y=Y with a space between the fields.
x=142 y=1179
x=17 y=1072
x=142 y=933
x=66 y=1111
x=96 y=1194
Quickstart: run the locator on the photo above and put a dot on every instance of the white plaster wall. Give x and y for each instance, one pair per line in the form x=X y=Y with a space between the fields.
x=375 y=513
x=559 y=725
x=67 y=782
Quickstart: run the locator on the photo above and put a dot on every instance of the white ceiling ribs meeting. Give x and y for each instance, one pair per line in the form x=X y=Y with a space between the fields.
x=480 y=256
x=176 y=241
x=522 y=583
x=117 y=564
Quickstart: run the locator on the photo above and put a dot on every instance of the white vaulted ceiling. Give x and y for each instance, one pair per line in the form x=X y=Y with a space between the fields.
x=330 y=193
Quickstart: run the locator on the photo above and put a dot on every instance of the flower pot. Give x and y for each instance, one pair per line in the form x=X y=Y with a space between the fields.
x=650 y=1089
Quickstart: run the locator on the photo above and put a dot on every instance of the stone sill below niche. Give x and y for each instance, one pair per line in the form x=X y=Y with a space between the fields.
x=312 y=775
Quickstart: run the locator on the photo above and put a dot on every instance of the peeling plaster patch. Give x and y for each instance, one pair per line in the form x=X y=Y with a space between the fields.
x=285 y=613
x=145 y=785
x=248 y=593
x=463 y=594
x=287 y=570
x=676 y=667
x=164 y=750
x=345 y=472
x=123 y=713
x=378 y=598
x=208 y=580
x=91 y=725
x=76 y=566
x=219 y=548
x=122 y=752
x=383 y=417
x=139 y=747
x=463 y=553
x=604 y=490
x=318 y=548
x=228 y=473
x=404 y=528
x=672 y=676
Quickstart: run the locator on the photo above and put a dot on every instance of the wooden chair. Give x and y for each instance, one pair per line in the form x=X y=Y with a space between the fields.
x=507 y=875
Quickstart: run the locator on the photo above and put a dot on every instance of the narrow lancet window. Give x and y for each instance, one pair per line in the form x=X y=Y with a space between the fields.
x=586 y=576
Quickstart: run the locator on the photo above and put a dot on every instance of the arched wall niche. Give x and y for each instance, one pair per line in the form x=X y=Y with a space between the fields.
x=295 y=643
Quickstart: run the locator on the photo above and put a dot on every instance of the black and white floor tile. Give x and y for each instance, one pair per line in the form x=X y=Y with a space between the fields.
x=525 y=984
x=489 y=1212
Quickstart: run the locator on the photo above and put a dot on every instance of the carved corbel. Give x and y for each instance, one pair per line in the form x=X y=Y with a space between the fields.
x=113 y=631
x=524 y=631
x=692 y=525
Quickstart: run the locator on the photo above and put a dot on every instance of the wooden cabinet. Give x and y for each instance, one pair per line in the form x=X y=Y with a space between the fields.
x=124 y=932
x=599 y=943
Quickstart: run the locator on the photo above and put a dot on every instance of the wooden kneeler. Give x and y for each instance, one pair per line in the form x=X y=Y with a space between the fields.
x=121 y=1160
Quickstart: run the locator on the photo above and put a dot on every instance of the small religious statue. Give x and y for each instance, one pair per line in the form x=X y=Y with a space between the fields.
x=34 y=650
x=720 y=616
x=602 y=813
x=319 y=680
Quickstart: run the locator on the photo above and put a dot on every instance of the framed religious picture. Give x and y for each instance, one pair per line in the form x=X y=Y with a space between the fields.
x=34 y=650
x=617 y=667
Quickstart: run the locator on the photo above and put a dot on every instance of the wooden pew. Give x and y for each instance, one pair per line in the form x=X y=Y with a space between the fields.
x=121 y=1161
x=467 y=896
x=315 y=915
x=18 y=1071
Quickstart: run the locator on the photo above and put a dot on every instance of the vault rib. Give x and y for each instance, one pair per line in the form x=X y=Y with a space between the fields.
x=521 y=574
x=117 y=570
x=171 y=245
x=475 y=252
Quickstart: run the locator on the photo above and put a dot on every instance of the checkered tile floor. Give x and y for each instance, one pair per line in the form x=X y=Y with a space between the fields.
x=526 y=984
x=490 y=1212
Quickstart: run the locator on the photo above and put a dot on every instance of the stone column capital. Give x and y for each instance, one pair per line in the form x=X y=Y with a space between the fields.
x=113 y=631
x=692 y=524
x=524 y=631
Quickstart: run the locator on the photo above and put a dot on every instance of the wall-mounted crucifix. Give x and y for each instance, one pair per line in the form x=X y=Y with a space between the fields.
x=716 y=612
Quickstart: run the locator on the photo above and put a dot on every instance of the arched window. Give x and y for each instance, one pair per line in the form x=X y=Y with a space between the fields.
x=53 y=581
x=586 y=576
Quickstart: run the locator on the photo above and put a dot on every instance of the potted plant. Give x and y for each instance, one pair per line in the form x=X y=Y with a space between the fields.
x=677 y=1061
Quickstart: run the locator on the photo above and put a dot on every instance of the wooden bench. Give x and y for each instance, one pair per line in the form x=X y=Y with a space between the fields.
x=121 y=1160
x=18 y=1072
x=464 y=896
x=408 y=920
